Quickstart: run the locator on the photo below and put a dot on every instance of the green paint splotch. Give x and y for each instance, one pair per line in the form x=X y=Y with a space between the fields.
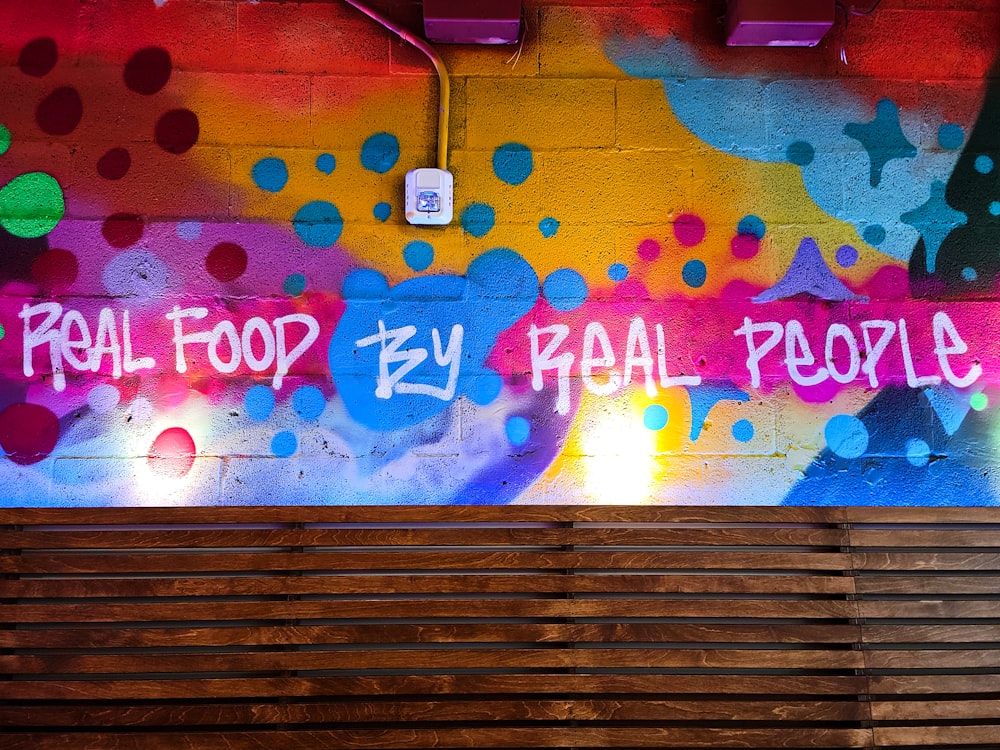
x=31 y=205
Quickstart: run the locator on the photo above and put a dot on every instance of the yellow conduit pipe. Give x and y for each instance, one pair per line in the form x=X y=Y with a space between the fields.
x=445 y=92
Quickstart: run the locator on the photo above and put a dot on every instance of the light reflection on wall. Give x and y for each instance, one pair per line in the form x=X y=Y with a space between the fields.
x=169 y=470
x=619 y=461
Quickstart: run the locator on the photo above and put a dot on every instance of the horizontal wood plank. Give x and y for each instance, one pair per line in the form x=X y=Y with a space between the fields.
x=69 y=563
x=281 y=635
x=489 y=737
x=603 y=685
x=570 y=582
x=436 y=608
x=929 y=736
x=437 y=515
x=621 y=709
x=935 y=710
x=440 y=658
x=957 y=659
x=141 y=539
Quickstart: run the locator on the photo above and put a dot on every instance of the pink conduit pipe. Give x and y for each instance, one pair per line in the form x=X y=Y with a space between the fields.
x=445 y=93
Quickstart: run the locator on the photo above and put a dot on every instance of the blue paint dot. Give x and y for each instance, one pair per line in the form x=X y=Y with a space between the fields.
x=694 y=273
x=270 y=174
x=189 y=230
x=743 y=431
x=380 y=153
x=565 y=289
x=418 y=255
x=918 y=452
x=284 y=444
x=318 y=224
x=800 y=153
x=478 y=219
x=326 y=163
x=984 y=164
x=518 y=430
x=969 y=273
x=950 y=136
x=365 y=284
x=259 y=402
x=655 y=417
x=548 y=227
x=382 y=211
x=751 y=224
x=995 y=208
x=874 y=234
x=847 y=256
x=512 y=163
x=846 y=436
x=485 y=389
x=295 y=284
x=618 y=272
x=308 y=402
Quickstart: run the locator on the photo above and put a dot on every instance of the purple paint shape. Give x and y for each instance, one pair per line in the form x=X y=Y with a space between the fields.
x=847 y=255
x=808 y=274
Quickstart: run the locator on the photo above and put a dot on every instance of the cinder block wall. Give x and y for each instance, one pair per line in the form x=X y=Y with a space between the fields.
x=677 y=273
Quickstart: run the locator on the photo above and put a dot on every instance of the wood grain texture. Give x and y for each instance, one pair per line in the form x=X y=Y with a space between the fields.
x=570 y=582
x=153 y=562
x=499 y=627
x=217 y=688
x=488 y=737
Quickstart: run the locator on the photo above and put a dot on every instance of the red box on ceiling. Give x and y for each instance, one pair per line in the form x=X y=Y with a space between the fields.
x=778 y=23
x=467 y=22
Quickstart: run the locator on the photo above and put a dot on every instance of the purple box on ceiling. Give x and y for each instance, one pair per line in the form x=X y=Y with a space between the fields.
x=778 y=23
x=479 y=22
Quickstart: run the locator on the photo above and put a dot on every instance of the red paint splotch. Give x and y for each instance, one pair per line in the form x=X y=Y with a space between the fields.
x=28 y=433
x=172 y=453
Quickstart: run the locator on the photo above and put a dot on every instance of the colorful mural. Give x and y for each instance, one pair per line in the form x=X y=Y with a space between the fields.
x=678 y=273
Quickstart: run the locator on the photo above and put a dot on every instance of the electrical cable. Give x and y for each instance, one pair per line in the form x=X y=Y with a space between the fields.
x=445 y=88
x=853 y=12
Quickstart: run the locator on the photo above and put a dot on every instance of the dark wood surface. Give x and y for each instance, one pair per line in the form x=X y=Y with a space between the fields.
x=519 y=627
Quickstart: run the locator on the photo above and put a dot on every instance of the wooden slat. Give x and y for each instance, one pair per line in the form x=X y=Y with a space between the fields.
x=935 y=710
x=928 y=584
x=490 y=737
x=934 y=684
x=630 y=709
x=281 y=635
x=937 y=736
x=929 y=561
x=878 y=634
x=401 y=583
x=941 y=609
x=36 y=563
x=927 y=538
x=141 y=539
x=423 y=659
x=443 y=684
x=441 y=608
x=932 y=658
x=437 y=515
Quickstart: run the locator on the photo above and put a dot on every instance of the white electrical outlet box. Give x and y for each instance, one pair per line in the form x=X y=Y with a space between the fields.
x=429 y=196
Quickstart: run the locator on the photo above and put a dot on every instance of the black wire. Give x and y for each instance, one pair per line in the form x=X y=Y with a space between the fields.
x=853 y=12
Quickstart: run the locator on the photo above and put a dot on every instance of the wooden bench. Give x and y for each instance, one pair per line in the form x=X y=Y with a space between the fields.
x=514 y=627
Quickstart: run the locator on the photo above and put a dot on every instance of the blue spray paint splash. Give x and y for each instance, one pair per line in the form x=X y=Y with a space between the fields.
x=403 y=354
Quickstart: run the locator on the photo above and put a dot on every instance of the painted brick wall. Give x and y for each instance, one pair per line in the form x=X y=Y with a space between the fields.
x=678 y=272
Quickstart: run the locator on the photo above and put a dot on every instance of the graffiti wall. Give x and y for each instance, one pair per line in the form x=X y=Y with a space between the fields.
x=677 y=273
